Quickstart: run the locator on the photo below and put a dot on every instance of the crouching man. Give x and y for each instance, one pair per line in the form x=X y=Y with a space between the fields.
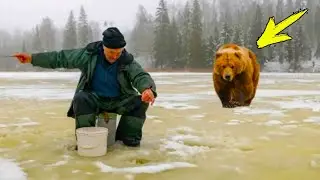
x=109 y=79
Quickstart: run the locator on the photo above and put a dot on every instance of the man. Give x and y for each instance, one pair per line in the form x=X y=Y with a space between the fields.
x=109 y=77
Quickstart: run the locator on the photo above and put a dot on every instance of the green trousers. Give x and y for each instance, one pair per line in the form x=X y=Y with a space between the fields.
x=87 y=106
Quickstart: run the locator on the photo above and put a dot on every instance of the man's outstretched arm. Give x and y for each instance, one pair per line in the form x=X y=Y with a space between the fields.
x=68 y=59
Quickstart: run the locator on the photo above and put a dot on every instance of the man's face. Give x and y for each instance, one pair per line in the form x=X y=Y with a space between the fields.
x=112 y=55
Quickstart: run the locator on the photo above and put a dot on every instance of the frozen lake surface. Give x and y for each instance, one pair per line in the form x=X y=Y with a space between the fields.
x=187 y=134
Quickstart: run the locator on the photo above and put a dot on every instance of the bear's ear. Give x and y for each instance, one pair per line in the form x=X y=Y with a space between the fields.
x=252 y=55
x=218 y=55
x=237 y=54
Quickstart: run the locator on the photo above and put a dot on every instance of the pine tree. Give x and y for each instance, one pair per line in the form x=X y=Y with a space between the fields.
x=289 y=51
x=289 y=7
x=96 y=31
x=36 y=42
x=280 y=8
x=216 y=39
x=90 y=34
x=208 y=17
x=307 y=22
x=186 y=35
x=142 y=36
x=209 y=51
x=83 y=28
x=174 y=45
x=47 y=34
x=279 y=47
x=24 y=48
x=255 y=32
x=162 y=30
x=196 y=48
x=301 y=48
x=70 y=33
x=180 y=56
x=316 y=29
x=247 y=36
x=226 y=31
x=238 y=37
x=271 y=52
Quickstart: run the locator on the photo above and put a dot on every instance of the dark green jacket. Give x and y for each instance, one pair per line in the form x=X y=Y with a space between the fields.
x=131 y=76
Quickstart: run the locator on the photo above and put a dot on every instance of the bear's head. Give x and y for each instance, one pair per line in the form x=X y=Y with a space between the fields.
x=228 y=64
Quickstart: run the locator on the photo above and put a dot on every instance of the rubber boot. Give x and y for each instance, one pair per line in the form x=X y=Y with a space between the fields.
x=87 y=120
x=129 y=130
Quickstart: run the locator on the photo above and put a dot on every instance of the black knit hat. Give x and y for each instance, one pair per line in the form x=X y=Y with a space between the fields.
x=113 y=38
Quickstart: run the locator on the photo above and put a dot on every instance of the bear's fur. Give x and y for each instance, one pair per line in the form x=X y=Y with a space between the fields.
x=236 y=73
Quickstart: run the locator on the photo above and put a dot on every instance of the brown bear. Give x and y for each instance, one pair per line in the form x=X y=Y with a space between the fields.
x=236 y=73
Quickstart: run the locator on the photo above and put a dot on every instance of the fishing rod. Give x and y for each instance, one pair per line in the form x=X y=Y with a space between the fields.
x=6 y=56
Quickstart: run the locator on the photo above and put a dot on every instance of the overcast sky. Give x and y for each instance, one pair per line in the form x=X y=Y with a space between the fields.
x=24 y=14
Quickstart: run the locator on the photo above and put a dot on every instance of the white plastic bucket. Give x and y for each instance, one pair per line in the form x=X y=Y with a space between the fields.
x=92 y=141
x=111 y=125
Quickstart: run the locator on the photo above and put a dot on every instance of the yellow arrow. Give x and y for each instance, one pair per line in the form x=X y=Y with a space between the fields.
x=269 y=35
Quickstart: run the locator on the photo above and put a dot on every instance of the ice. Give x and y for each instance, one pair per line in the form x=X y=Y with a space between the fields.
x=157 y=121
x=165 y=82
x=265 y=138
x=184 y=142
x=61 y=162
x=50 y=113
x=4 y=150
x=315 y=162
x=299 y=104
x=228 y=167
x=61 y=91
x=129 y=176
x=10 y=170
x=256 y=111
x=273 y=122
x=196 y=117
x=184 y=137
x=149 y=169
x=233 y=122
x=267 y=81
x=183 y=130
x=21 y=124
x=75 y=171
x=263 y=93
x=304 y=80
x=177 y=101
x=285 y=93
x=279 y=133
x=191 y=81
x=171 y=105
x=178 y=97
x=58 y=163
x=315 y=120
x=289 y=126
x=151 y=117
x=203 y=131
x=201 y=85
x=27 y=161
x=40 y=92
x=40 y=75
x=175 y=145
x=170 y=74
